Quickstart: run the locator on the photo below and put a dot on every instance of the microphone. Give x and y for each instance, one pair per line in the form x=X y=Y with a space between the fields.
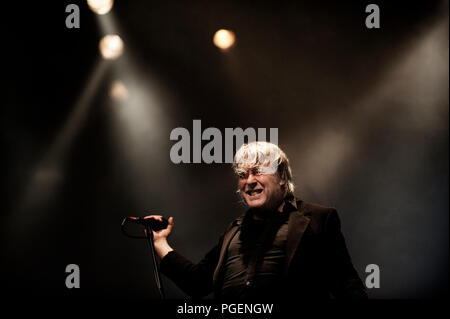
x=150 y=222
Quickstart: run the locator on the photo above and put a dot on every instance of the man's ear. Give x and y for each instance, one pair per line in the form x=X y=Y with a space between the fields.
x=282 y=180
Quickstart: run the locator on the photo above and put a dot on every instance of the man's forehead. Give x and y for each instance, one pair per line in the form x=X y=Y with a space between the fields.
x=265 y=168
x=249 y=166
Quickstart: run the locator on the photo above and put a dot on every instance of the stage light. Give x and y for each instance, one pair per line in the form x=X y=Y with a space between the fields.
x=224 y=39
x=111 y=46
x=100 y=6
x=118 y=91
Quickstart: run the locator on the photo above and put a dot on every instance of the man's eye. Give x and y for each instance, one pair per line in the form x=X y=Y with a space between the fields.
x=242 y=175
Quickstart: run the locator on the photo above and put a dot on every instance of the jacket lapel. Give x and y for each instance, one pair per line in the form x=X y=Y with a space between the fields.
x=226 y=242
x=297 y=224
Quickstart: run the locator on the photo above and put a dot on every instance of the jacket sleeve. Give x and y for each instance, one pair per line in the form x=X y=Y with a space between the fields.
x=343 y=279
x=196 y=280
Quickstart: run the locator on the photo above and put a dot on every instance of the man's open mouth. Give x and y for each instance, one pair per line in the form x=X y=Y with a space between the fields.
x=254 y=192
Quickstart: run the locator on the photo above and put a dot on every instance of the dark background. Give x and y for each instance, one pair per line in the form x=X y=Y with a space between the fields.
x=361 y=113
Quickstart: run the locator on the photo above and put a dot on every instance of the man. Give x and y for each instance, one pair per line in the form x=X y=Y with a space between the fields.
x=281 y=248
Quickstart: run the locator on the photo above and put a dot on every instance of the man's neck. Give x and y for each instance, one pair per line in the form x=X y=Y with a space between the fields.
x=262 y=214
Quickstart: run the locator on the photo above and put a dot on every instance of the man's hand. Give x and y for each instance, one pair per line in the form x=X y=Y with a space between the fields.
x=162 y=248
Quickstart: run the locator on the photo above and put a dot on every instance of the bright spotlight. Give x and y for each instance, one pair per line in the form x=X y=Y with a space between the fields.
x=100 y=6
x=111 y=46
x=224 y=39
x=118 y=91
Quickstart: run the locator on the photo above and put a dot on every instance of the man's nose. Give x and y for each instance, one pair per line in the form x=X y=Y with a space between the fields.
x=251 y=179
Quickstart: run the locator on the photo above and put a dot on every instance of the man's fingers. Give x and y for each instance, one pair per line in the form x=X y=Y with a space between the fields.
x=170 y=225
x=160 y=218
x=157 y=217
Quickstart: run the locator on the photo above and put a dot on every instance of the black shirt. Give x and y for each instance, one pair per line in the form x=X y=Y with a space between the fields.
x=256 y=257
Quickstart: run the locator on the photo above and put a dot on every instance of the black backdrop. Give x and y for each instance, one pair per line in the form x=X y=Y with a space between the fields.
x=362 y=114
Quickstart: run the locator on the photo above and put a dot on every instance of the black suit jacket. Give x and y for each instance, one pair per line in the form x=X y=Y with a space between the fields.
x=317 y=266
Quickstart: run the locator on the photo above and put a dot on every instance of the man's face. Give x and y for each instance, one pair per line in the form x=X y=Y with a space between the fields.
x=262 y=191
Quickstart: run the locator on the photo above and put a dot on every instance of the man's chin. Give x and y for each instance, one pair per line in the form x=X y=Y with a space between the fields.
x=255 y=203
x=261 y=205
